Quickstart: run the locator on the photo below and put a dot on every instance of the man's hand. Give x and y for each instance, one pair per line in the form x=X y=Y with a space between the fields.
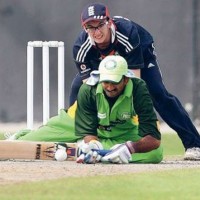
x=87 y=154
x=120 y=154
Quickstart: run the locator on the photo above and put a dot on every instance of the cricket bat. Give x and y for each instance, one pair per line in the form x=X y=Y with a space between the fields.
x=17 y=149
x=35 y=150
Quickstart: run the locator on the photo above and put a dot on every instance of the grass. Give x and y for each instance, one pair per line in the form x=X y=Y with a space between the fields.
x=171 y=184
x=1 y=136
x=168 y=184
x=172 y=146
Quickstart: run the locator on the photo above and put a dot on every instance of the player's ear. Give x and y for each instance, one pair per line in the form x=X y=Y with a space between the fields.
x=85 y=29
x=126 y=79
x=109 y=23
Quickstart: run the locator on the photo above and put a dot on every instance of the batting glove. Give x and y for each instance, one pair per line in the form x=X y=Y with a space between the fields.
x=88 y=152
x=120 y=154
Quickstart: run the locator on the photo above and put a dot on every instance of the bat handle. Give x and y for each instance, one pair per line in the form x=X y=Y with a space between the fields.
x=102 y=152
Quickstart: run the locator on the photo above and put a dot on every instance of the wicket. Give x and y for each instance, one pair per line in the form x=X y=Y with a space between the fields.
x=45 y=68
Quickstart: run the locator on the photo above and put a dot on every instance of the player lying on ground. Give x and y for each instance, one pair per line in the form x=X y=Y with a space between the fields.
x=113 y=110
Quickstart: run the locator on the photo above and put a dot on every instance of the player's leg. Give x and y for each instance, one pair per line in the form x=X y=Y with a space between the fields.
x=58 y=129
x=76 y=84
x=167 y=105
x=154 y=156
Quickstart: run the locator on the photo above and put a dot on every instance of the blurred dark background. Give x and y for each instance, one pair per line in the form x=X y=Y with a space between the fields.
x=169 y=21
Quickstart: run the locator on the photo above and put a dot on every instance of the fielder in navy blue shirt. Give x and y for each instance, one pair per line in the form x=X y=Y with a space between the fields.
x=104 y=35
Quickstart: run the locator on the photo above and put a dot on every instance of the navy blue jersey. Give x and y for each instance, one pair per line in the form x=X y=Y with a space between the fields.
x=128 y=39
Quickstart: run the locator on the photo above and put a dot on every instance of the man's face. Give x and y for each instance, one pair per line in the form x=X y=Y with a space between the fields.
x=114 y=89
x=99 y=31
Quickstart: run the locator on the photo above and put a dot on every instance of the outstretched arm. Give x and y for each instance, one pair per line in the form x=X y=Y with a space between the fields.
x=121 y=153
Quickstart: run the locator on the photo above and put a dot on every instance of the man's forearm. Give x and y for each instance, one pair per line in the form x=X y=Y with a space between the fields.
x=148 y=143
x=88 y=138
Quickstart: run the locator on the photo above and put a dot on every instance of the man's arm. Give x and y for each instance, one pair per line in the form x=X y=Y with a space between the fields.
x=145 y=144
x=88 y=138
x=121 y=153
x=86 y=121
x=143 y=105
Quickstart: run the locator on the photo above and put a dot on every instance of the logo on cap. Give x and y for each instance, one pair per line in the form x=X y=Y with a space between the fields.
x=90 y=10
x=110 y=64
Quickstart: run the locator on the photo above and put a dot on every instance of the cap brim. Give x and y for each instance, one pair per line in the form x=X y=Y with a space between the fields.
x=110 y=78
x=92 y=19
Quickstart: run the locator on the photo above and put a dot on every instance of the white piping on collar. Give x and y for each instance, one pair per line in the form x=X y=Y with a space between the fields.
x=113 y=33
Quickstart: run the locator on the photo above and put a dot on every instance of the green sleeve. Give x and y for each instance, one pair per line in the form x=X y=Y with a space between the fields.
x=86 y=121
x=148 y=122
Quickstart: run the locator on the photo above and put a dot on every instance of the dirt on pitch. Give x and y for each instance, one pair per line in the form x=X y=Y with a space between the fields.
x=18 y=171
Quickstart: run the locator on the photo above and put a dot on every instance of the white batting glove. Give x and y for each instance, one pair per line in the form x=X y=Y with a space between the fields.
x=87 y=154
x=120 y=154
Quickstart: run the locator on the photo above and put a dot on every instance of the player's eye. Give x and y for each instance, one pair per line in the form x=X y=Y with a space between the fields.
x=93 y=29
x=101 y=25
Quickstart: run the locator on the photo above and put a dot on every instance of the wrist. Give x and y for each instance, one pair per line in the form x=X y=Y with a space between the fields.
x=130 y=147
x=88 y=138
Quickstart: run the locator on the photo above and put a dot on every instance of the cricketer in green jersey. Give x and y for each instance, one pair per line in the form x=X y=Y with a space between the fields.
x=113 y=110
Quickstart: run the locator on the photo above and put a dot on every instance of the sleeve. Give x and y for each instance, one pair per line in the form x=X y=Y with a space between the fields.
x=128 y=35
x=148 y=122
x=135 y=57
x=81 y=48
x=86 y=121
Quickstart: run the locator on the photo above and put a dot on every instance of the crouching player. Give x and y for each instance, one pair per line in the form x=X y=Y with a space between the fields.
x=113 y=111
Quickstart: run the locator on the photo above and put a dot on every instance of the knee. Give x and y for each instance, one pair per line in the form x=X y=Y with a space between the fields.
x=157 y=155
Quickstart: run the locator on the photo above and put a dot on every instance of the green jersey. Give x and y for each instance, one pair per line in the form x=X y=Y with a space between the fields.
x=131 y=115
x=114 y=121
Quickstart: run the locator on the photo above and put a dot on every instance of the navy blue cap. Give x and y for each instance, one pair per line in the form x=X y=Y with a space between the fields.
x=94 y=11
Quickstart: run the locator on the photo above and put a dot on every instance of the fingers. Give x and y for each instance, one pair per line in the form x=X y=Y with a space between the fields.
x=119 y=155
x=81 y=158
x=89 y=152
x=124 y=157
x=91 y=157
x=111 y=157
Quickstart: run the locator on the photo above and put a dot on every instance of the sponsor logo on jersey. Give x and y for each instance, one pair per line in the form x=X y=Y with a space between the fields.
x=83 y=67
x=82 y=72
x=126 y=115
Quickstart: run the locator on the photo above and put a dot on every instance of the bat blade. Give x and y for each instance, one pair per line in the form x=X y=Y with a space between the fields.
x=34 y=150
